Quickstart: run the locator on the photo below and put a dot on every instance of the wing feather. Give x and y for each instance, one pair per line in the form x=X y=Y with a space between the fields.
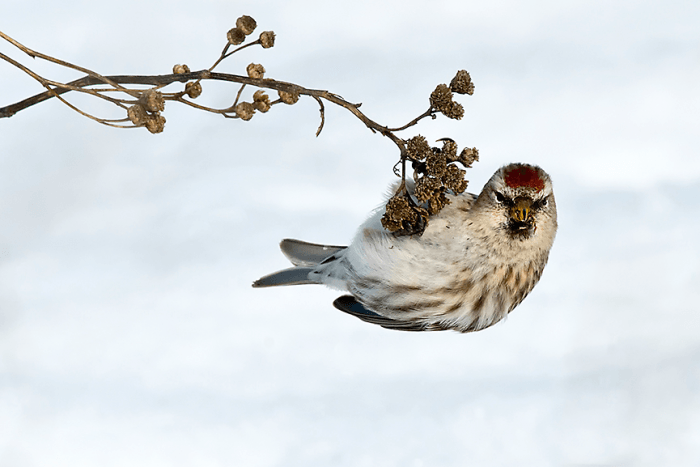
x=350 y=305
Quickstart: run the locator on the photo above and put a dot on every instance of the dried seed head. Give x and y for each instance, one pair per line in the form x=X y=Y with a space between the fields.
x=398 y=210
x=449 y=149
x=441 y=98
x=193 y=89
x=180 y=69
x=437 y=202
x=288 y=97
x=468 y=156
x=256 y=71
x=390 y=224
x=261 y=101
x=454 y=179
x=155 y=123
x=262 y=106
x=417 y=148
x=426 y=188
x=267 y=39
x=246 y=24
x=245 y=110
x=462 y=83
x=235 y=36
x=436 y=164
x=137 y=114
x=455 y=111
x=152 y=100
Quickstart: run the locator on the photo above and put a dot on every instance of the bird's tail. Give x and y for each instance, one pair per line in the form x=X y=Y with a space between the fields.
x=292 y=276
x=305 y=257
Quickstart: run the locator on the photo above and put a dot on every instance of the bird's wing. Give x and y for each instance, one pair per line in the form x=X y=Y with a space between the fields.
x=307 y=254
x=350 y=305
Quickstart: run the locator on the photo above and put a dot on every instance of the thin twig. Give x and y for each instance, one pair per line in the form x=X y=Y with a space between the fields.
x=202 y=107
x=35 y=54
x=238 y=96
x=323 y=115
x=428 y=113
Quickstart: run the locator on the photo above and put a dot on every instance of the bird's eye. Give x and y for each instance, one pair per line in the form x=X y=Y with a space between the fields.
x=539 y=204
x=499 y=196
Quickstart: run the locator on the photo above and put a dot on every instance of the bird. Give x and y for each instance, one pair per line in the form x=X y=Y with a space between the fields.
x=476 y=260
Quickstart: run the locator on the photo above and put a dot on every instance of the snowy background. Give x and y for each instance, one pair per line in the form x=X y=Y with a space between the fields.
x=130 y=335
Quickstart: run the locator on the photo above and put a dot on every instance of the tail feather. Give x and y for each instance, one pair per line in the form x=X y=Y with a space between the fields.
x=292 y=276
x=307 y=254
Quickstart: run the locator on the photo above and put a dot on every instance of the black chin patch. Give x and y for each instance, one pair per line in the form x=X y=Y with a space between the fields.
x=521 y=229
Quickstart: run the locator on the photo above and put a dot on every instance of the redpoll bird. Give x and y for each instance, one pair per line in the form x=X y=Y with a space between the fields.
x=475 y=262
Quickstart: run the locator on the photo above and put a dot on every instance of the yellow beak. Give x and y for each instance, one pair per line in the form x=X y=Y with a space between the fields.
x=521 y=209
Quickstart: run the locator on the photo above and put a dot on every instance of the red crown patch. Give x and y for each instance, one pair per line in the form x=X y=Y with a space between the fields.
x=524 y=177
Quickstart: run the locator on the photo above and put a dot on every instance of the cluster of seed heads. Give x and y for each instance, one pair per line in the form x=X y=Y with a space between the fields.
x=435 y=170
x=435 y=173
x=441 y=99
x=147 y=110
x=245 y=25
x=403 y=216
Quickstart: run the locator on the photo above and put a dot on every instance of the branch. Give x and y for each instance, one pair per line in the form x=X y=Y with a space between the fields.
x=164 y=80
x=407 y=212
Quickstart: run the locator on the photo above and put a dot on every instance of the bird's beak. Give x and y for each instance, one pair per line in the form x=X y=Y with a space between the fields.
x=521 y=209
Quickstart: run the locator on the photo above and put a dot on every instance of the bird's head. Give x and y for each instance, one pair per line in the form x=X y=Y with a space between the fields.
x=519 y=200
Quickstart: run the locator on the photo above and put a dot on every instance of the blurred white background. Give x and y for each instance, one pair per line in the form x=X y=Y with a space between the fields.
x=130 y=335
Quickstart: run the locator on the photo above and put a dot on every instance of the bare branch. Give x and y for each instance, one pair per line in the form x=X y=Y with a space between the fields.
x=406 y=213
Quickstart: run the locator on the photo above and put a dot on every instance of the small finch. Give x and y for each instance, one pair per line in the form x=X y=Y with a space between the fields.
x=475 y=262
